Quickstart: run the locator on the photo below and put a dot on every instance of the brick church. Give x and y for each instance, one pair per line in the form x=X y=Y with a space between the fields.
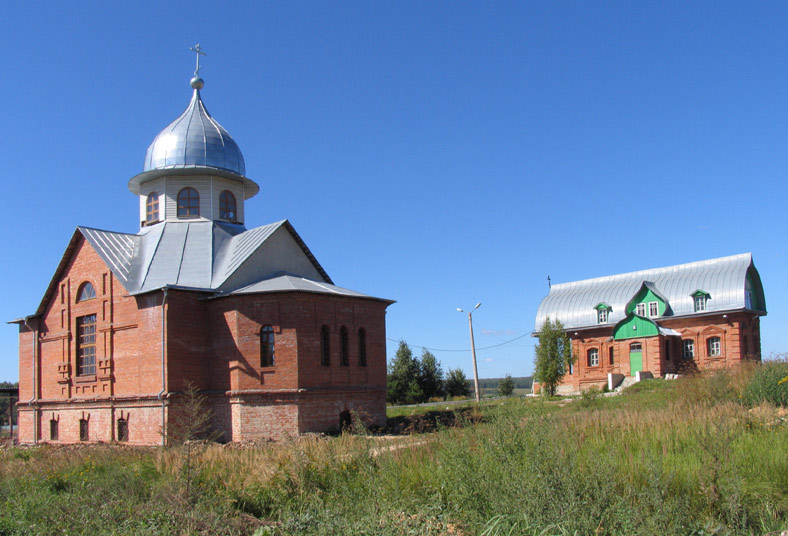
x=246 y=316
x=697 y=316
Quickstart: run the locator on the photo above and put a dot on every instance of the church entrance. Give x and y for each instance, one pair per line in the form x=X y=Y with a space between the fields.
x=635 y=358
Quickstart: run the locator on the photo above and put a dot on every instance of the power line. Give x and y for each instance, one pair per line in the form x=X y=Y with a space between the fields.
x=466 y=349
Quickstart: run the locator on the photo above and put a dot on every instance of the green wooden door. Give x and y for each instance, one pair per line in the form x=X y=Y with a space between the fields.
x=635 y=361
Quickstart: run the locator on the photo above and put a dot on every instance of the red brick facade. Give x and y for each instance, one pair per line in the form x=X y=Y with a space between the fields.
x=738 y=333
x=211 y=343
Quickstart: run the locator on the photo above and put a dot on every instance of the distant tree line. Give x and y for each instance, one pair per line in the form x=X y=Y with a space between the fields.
x=412 y=380
x=522 y=382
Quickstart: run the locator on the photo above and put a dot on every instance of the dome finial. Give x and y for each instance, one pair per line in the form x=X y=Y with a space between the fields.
x=197 y=82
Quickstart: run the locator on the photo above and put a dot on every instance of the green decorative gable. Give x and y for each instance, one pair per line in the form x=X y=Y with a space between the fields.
x=648 y=293
x=602 y=306
x=634 y=326
x=700 y=292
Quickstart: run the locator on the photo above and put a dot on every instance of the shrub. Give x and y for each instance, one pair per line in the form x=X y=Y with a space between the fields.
x=768 y=384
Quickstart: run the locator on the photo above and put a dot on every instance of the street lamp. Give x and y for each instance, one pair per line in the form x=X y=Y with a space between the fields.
x=473 y=349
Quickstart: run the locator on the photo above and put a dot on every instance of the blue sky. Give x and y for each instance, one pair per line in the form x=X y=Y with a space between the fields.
x=434 y=153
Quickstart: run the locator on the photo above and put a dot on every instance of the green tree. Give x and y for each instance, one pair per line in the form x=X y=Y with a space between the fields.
x=430 y=376
x=7 y=403
x=403 y=377
x=506 y=386
x=553 y=356
x=457 y=383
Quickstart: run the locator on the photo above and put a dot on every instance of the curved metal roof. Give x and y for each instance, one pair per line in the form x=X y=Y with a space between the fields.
x=723 y=279
x=194 y=140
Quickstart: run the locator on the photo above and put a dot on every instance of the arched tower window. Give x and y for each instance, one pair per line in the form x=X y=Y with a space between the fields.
x=325 y=348
x=227 y=206
x=344 y=360
x=86 y=292
x=152 y=208
x=267 y=346
x=188 y=203
x=362 y=347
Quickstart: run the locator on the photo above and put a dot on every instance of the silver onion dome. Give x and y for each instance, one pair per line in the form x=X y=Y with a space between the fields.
x=195 y=140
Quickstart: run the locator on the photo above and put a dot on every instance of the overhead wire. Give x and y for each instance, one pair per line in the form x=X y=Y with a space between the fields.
x=464 y=350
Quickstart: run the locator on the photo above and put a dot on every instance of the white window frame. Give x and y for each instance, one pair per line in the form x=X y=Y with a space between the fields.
x=714 y=346
x=640 y=310
x=700 y=303
x=653 y=309
x=601 y=316
x=593 y=357
x=688 y=349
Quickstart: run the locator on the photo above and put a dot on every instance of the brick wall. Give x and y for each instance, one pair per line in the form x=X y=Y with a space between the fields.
x=739 y=335
x=212 y=344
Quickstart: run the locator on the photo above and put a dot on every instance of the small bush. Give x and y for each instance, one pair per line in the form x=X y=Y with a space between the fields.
x=768 y=384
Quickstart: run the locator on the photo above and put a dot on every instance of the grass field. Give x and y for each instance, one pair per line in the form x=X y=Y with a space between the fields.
x=667 y=457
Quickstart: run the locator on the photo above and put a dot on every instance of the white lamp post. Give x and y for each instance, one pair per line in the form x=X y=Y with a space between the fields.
x=473 y=349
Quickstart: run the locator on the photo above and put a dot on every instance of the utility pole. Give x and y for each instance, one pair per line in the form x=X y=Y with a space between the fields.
x=473 y=350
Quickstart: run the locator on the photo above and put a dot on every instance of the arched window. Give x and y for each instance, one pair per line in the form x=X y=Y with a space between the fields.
x=344 y=360
x=713 y=347
x=86 y=292
x=267 y=346
x=362 y=347
x=84 y=431
x=152 y=208
x=325 y=347
x=123 y=430
x=593 y=357
x=636 y=347
x=188 y=203
x=227 y=207
x=86 y=345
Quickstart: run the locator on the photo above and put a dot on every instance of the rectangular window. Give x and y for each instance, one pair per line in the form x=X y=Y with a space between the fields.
x=653 y=309
x=641 y=309
x=53 y=430
x=713 y=346
x=83 y=430
x=612 y=355
x=86 y=345
x=689 y=348
x=593 y=357
x=123 y=430
x=748 y=299
x=601 y=316
x=667 y=350
x=700 y=303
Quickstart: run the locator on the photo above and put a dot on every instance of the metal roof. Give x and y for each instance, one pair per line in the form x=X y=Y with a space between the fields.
x=723 y=279
x=289 y=282
x=198 y=255
x=195 y=139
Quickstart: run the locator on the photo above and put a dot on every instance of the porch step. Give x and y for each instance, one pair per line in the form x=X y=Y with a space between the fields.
x=629 y=380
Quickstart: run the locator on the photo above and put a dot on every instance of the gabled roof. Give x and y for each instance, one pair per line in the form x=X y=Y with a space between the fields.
x=724 y=278
x=204 y=255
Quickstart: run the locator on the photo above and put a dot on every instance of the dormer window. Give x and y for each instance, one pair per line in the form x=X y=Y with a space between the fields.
x=227 y=206
x=700 y=299
x=152 y=208
x=86 y=292
x=641 y=309
x=602 y=313
x=188 y=203
x=653 y=309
